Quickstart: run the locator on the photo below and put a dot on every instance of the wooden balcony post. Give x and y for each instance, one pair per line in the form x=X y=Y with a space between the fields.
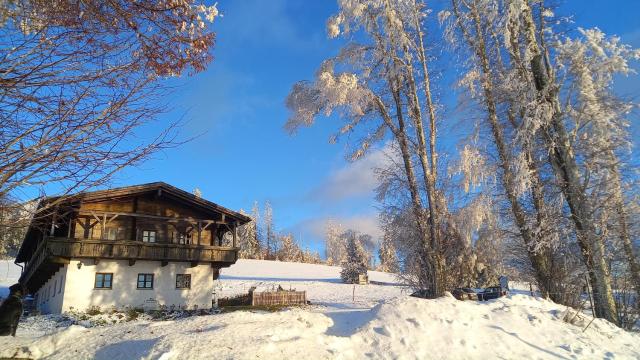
x=199 y=231
x=104 y=226
x=235 y=233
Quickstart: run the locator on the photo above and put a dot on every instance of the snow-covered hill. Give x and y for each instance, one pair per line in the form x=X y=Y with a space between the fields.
x=382 y=323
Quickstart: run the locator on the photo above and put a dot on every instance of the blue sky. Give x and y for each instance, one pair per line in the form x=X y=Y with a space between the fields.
x=237 y=108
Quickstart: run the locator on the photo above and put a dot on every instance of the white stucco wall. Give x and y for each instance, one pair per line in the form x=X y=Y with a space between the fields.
x=78 y=290
x=50 y=296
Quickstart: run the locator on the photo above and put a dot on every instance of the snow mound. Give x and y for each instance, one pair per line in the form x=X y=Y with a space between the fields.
x=514 y=327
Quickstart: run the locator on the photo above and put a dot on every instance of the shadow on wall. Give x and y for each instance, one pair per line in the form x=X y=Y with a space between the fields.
x=129 y=349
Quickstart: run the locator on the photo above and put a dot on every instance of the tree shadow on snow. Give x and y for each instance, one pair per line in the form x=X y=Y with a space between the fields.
x=515 y=335
x=347 y=322
x=129 y=349
x=276 y=279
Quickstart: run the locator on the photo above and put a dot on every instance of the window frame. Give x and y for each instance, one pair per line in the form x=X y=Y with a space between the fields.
x=187 y=276
x=104 y=274
x=149 y=232
x=144 y=281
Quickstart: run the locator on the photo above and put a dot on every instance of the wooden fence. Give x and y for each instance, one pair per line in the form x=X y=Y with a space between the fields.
x=270 y=298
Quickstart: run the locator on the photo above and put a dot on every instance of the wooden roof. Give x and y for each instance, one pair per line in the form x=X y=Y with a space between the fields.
x=154 y=187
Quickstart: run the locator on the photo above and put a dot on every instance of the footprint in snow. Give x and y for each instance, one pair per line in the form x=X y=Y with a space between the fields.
x=382 y=331
x=414 y=322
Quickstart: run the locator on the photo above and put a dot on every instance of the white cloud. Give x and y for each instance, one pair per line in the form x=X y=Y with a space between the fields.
x=314 y=228
x=354 y=180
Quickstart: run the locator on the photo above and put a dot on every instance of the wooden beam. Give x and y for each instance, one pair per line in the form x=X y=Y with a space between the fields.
x=164 y=263
x=167 y=218
x=58 y=260
x=112 y=218
x=132 y=262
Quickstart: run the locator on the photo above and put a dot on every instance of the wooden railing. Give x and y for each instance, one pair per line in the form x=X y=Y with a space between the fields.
x=126 y=250
x=137 y=250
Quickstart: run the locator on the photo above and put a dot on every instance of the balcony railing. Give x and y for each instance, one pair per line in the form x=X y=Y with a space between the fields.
x=52 y=249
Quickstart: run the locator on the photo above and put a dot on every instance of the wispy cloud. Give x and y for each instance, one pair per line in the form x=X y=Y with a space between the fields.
x=354 y=180
x=314 y=228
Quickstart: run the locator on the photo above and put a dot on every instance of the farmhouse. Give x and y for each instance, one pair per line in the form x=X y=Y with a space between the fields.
x=145 y=245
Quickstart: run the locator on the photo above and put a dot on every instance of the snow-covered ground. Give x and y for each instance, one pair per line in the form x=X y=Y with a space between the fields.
x=382 y=323
x=9 y=275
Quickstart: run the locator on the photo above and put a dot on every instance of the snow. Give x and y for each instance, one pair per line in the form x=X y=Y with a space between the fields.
x=9 y=275
x=382 y=323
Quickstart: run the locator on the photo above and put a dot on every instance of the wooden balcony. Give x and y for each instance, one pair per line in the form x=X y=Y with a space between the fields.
x=52 y=253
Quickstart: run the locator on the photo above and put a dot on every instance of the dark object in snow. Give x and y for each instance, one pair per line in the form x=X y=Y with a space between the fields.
x=464 y=294
x=420 y=294
x=10 y=311
x=492 y=292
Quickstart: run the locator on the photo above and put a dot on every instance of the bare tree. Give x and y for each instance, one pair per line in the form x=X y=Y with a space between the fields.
x=80 y=80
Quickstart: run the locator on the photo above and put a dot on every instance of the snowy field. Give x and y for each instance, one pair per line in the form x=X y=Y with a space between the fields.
x=379 y=322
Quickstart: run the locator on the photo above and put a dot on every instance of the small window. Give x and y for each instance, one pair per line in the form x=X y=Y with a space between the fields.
x=149 y=236
x=60 y=287
x=145 y=281
x=103 y=280
x=55 y=285
x=183 y=281
x=184 y=238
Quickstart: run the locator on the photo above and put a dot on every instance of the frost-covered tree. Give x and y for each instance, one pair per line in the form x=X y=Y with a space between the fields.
x=270 y=238
x=380 y=83
x=333 y=245
x=14 y=221
x=356 y=257
x=556 y=94
x=475 y=27
x=289 y=249
x=387 y=255
x=311 y=257
x=248 y=241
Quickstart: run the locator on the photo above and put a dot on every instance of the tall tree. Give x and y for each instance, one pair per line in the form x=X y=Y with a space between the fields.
x=477 y=26
x=381 y=81
x=270 y=238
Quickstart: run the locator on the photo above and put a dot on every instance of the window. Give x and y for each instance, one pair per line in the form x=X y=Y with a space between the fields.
x=183 y=281
x=103 y=280
x=114 y=233
x=184 y=238
x=60 y=287
x=55 y=285
x=149 y=236
x=145 y=281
